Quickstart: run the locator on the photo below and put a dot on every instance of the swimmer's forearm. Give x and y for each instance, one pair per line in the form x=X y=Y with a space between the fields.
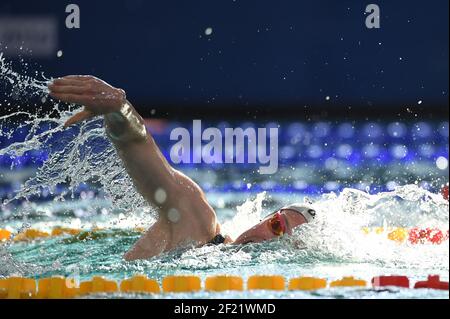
x=140 y=154
x=125 y=125
x=155 y=179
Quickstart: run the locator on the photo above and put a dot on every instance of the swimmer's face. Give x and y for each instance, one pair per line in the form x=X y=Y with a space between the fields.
x=272 y=226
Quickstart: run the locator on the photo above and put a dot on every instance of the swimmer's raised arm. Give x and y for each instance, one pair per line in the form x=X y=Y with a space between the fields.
x=179 y=200
x=125 y=127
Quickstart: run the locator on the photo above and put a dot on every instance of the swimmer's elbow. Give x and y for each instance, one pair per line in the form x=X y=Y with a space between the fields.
x=133 y=254
x=129 y=256
x=138 y=253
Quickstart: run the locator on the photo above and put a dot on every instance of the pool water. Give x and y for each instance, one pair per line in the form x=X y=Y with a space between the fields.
x=331 y=247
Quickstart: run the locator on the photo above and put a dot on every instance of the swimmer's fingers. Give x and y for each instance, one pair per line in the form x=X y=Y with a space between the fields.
x=80 y=77
x=98 y=96
x=68 y=89
x=64 y=82
x=79 y=117
x=72 y=80
x=72 y=98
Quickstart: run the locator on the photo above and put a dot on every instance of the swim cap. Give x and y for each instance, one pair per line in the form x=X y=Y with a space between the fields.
x=305 y=210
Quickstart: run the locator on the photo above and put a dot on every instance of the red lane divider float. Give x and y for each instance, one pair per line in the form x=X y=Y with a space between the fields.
x=395 y=281
x=422 y=236
x=433 y=282
x=444 y=191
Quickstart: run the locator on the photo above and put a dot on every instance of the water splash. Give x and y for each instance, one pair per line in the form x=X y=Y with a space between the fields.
x=22 y=86
x=336 y=233
x=335 y=237
x=248 y=214
x=78 y=156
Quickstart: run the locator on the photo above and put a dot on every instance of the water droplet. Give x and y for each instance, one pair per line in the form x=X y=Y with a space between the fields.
x=208 y=31
x=173 y=215
x=160 y=196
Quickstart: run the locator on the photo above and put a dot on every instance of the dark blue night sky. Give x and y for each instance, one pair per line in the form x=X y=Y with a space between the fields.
x=259 y=51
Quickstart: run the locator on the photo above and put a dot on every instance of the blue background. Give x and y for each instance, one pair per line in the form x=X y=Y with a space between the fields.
x=260 y=52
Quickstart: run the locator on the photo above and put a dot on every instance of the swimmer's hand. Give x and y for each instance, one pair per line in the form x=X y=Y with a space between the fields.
x=97 y=96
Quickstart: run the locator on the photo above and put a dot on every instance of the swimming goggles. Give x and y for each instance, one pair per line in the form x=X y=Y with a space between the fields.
x=277 y=224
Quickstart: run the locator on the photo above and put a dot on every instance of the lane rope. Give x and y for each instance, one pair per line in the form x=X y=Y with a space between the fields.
x=413 y=235
x=58 y=287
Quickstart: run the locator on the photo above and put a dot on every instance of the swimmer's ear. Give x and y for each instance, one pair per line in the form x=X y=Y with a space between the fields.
x=79 y=117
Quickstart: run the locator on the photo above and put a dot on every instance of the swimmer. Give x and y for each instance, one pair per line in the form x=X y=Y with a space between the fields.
x=184 y=214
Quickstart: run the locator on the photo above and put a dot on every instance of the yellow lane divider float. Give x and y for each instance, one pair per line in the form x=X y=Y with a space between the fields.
x=266 y=282
x=307 y=283
x=181 y=283
x=4 y=235
x=32 y=234
x=348 y=282
x=223 y=283
x=139 y=284
x=58 y=287
x=17 y=288
x=98 y=285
